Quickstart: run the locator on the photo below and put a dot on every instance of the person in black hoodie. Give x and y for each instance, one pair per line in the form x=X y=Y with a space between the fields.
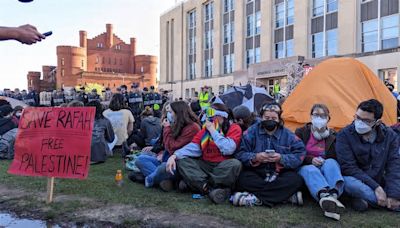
x=8 y=132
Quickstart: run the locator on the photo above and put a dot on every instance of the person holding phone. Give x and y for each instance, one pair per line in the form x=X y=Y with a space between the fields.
x=271 y=155
x=206 y=164
x=26 y=34
x=320 y=170
x=180 y=125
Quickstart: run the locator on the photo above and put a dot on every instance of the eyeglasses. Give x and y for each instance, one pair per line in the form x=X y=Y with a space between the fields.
x=367 y=121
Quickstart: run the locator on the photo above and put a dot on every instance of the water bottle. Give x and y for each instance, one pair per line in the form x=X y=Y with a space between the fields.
x=118 y=178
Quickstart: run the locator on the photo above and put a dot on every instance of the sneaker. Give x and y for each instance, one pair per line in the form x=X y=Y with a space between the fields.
x=182 y=186
x=359 y=204
x=246 y=199
x=296 y=199
x=148 y=182
x=166 y=185
x=328 y=205
x=219 y=195
x=136 y=177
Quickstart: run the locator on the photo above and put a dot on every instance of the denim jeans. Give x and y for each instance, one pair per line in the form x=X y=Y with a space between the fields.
x=327 y=176
x=153 y=169
x=357 y=189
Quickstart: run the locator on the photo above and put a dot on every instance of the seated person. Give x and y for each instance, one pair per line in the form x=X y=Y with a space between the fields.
x=103 y=137
x=320 y=170
x=206 y=164
x=180 y=126
x=8 y=132
x=271 y=155
x=368 y=154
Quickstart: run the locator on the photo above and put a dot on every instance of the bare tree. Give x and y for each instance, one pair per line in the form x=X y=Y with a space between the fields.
x=295 y=73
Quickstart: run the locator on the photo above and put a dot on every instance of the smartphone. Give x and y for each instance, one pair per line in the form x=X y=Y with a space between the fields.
x=46 y=34
x=270 y=151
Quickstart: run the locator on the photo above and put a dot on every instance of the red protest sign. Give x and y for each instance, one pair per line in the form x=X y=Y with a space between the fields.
x=54 y=142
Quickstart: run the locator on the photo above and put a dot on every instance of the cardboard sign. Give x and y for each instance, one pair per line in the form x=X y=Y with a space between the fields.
x=54 y=142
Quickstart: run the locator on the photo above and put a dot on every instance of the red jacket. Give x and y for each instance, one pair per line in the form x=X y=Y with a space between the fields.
x=186 y=136
x=212 y=152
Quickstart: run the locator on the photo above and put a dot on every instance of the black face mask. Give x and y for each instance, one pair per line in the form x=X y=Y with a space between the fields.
x=269 y=125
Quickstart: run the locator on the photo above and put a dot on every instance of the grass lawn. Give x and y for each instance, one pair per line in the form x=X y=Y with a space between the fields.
x=100 y=185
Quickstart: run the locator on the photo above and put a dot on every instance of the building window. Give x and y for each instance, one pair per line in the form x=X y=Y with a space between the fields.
x=62 y=73
x=390 y=31
x=318 y=7
x=229 y=63
x=317 y=45
x=228 y=32
x=191 y=17
x=331 y=42
x=249 y=56
x=253 y=30
x=284 y=20
x=254 y=24
x=62 y=62
x=229 y=5
x=82 y=63
x=97 y=59
x=99 y=45
x=208 y=38
x=331 y=6
x=109 y=60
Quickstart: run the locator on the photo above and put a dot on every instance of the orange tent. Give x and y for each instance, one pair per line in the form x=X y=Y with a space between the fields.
x=341 y=84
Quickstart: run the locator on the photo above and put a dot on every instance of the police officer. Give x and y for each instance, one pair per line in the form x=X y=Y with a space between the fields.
x=82 y=96
x=108 y=94
x=156 y=97
x=147 y=98
x=135 y=103
x=70 y=95
x=58 y=98
x=93 y=96
x=17 y=95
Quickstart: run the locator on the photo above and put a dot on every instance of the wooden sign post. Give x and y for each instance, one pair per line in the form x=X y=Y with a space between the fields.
x=50 y=190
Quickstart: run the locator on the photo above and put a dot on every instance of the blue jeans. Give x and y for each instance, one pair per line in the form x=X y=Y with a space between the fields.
x=153 y=169
x=357 y=189
x=327 y=176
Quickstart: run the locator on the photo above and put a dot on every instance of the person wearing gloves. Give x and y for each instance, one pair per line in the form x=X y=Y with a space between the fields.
x=320 y=170
x=206 y=164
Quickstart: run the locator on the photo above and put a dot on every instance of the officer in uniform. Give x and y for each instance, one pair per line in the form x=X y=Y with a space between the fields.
x=31 y=98
x=70 y=95
x=135 y=102
x=108 y=94
x=157 y=97
x=58 y=98
x=82 y=96
x=147 y=98
x=93 y=96
x=17 y=95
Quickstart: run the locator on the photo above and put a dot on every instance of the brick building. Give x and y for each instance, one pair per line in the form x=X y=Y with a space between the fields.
x=104 y=59
x=48 y=83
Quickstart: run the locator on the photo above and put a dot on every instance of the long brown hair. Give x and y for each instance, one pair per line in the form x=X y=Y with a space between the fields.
x=183 y=117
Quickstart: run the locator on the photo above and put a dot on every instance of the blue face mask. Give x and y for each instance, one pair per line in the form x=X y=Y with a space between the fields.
x=170 y=117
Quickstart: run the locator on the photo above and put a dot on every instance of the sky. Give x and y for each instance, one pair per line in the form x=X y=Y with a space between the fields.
x=130 y=18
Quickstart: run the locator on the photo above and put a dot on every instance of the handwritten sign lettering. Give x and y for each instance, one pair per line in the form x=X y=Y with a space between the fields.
x=54 y=142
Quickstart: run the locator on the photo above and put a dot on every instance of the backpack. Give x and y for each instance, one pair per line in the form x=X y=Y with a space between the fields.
x=7 y=141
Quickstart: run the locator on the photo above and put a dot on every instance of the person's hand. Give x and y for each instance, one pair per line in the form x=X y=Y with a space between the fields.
x=210 y=126
x=166 y=123
x=147 y=149
x=393 y=204
x=160 y=156
x=381 y=196
x=274 y=157
x=317 y=161
x=28 y=34
x=171 y=164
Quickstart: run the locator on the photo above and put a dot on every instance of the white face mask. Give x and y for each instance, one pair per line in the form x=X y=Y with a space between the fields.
x=319 y=123
x=361 y=127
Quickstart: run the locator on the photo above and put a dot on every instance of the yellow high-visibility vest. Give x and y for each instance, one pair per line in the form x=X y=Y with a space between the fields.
x=203 y=98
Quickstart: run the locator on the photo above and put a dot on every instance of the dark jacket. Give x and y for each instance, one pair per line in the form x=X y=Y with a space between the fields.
x=150 y=127
x=256 y=140
x=102 y=134
x=375 y=164
x=6 y=124
x=304 y=133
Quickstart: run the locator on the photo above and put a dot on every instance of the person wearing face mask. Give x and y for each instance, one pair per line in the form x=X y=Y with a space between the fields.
x=368 y=154
x=179 y=128
x=16 y=115
x=269 y=148
x=320 y=170
x=206 y=164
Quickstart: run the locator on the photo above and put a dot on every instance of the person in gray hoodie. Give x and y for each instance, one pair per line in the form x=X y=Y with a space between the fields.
x=150 y=127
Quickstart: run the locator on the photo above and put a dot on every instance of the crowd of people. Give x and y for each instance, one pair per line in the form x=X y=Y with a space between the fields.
x=248 y=159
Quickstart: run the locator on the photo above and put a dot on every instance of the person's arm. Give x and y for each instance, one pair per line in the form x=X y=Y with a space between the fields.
x=227 y=145
x=299 y=133
x=26 y=34
x=190 y=150
x=171 y=144
x=109 y=133
x=297 y=153
x=246 y=152
x=348 y=163
x=392 y=169
x=131 y=120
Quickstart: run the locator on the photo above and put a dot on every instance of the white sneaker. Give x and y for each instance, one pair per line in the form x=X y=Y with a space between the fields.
x=246 y=199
